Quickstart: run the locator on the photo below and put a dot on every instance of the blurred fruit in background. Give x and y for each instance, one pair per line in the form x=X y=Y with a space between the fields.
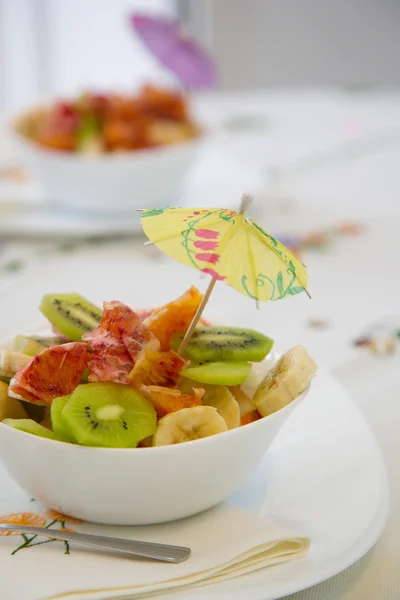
x=111 y=122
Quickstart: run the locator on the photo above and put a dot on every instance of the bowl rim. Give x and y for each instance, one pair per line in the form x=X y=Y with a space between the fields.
x=12 y=122
x=171 y=448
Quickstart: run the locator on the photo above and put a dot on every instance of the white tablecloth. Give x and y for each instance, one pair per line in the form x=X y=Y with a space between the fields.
x=353 y=282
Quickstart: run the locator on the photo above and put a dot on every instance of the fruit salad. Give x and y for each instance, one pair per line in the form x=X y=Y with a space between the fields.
x=114 y=377
x=95 y=123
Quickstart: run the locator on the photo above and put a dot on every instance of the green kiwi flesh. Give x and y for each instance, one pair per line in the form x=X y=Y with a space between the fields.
x=57 y=422
x=33 y=345
x=225 y=344
x=71 y=314
x=109 y=415
x=218 y=373
x=89 y=137
x=30 y=426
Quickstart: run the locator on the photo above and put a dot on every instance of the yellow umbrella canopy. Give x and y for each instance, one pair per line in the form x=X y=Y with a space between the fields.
x=230 y=247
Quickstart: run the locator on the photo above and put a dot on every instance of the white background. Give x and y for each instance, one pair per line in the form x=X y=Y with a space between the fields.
x=60 y=46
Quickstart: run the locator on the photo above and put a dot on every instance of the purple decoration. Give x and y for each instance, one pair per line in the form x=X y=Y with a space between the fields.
x=178 y=53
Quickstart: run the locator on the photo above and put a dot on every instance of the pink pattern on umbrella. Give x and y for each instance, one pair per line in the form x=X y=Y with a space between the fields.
x=208 y=257
x=175 y=51
x=208 y=234
x=205 y=245
x=214 y=274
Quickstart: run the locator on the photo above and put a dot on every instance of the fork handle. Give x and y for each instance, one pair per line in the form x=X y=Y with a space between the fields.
x=155 y=551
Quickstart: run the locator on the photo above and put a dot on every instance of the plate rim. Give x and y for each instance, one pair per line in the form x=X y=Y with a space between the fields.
x=363 y=544
x=370 y=535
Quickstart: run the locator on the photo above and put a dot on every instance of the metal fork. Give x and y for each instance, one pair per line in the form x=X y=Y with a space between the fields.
x=160 y=552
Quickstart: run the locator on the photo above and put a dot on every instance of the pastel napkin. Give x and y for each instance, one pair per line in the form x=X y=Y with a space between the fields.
x=226 y=542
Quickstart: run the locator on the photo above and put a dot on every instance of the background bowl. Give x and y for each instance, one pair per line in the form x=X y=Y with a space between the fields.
x=106 y=182
x=138 y=486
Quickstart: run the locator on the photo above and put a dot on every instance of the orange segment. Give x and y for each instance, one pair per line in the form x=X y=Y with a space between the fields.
x=54 y=515
x=144 y=313
x=24 y=518
x=174 y=316
x=157 y=368
x=146 y=443
x=166 y=400
x=250 y=417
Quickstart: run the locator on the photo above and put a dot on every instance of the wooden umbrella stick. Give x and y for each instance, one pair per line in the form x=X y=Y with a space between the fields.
x=245 y=204
x=197 y=317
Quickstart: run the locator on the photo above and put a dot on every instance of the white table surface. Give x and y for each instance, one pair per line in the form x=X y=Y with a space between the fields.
x=353 y=282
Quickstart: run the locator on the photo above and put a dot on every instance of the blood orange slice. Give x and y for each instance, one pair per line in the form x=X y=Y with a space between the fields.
x=123 y=323
x=110 y=360
x=117 y=343
x=56 y=371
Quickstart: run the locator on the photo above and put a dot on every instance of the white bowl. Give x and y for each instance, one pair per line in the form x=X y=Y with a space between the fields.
x=138 y=486
x=111 y=182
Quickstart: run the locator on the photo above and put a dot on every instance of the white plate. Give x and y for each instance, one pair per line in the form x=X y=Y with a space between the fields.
x=33 y=217
x=324 y=476
x=217 y=180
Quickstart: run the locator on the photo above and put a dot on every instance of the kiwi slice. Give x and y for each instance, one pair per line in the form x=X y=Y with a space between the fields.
x=57 y=422
x=33 y=345
x=225 y=343
x=107 y=414
x=30 y=426
x=89 y=138
x=219 y=373
x=71 y=314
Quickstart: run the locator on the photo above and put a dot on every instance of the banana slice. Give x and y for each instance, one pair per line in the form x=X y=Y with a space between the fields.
x=9 y=407
x=188 y=424
x=11 y=362
x=256 y=376
x=217 y=396
x=247 y=408
x=245 y=404
x=285 y=381
x=221 y=398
